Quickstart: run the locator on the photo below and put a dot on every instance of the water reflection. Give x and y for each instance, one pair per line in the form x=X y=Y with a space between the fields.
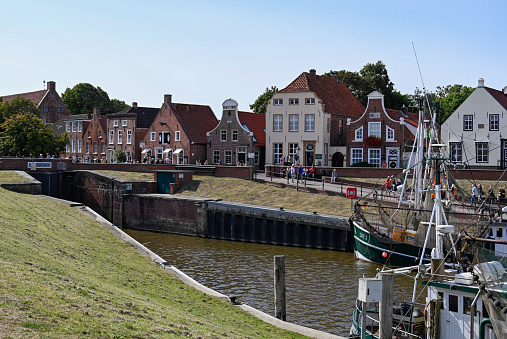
x=321 y=285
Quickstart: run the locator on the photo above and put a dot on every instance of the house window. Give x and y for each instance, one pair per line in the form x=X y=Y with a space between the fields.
x=325 y=153
x=277 y=153
x=456 y=151
x=494 y=122
x=89 y=134
x=128 y=156
x=358 y=134
x=468 y=122
x=176 y=135
x=153 y=135
x=67 y=148
x=310 y=101
x=293 y=152
x=328 y=124
x=94 y=148
x=499 y=233
x=120 y=137
x=181 y=158
x=374 y=129
x=277 y=122
x=278 y=102
x=79 y=146
x=310 y=122
x=111 y=137
x=256 y=157
x=228 y=157
x=45 y=109
x=87 y=147
x=100 y=134
x=340 y=126
x=103 y=148
x=374 y=156
x=115 y=123
x=294 y=101
x=293 y=122
x=79 y=126
x=67 y=129
x=73 y=126
x=481 y=151
x=124 y=123
x=389 y=134
x=216 y=156
x=129 y=137
x=59 y=110
x=223 y=135
x=73 y=146
x=234 y=135
x=164 y=138
x=453 y=303
x=356 y=155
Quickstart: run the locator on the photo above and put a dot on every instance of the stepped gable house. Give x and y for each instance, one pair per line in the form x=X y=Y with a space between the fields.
x=47 y=100
x=476 y=132
x=87 y=136
x=177 y=134
x=379 y=135
x=305 y=121
x=126 y=130
x=238 y=139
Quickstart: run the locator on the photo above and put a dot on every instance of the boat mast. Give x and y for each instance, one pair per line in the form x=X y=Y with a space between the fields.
x=420 y=157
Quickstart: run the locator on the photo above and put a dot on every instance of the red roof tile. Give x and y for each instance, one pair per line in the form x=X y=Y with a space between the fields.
x=195 y=120
x=498 y=95
x=256 y=123
x=35 y=97
x=335 y=96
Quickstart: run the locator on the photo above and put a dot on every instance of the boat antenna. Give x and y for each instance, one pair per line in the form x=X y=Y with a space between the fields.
x=420 y=74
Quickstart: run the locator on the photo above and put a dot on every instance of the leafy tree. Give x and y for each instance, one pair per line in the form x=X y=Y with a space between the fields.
x=450 y=98
x=120 y=155
x=16 y=106
x=27 y=134
x=259 y=106
x=356 y=84
x=84 y=97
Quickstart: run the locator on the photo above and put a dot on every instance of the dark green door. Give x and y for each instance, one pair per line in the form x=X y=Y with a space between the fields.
x=164 y=180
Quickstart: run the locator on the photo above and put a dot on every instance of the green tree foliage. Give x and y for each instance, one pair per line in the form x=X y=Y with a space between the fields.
x=120 y=155
x=372 y=77
x=16 y=106
x=27 y=134
x=259 y=106
x=450 y=98
x=84 y=97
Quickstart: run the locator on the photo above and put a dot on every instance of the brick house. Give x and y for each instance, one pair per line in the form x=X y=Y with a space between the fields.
x=177 y=134
x=47 y=100
x=237 y=135
x=87 y=136
x=305 y=121
x=126 y=130
x=378 y=137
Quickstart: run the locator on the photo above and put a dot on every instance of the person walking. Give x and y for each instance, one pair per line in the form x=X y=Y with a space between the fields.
x=474 y=194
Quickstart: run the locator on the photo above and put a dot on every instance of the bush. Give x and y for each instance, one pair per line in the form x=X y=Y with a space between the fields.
x=120 y=156
x=362 y=164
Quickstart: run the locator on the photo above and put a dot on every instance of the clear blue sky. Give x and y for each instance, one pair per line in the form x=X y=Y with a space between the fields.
x=204 y=52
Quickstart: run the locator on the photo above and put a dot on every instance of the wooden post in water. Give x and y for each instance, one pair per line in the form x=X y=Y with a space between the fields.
x=279 y=270
x=386 y=307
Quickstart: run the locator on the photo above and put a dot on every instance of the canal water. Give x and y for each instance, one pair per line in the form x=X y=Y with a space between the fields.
x=321 y=284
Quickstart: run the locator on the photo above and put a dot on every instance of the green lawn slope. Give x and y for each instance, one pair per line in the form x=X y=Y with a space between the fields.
x=63 y=275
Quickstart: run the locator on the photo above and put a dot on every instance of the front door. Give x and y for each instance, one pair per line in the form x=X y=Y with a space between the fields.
x=110 y=157
x=241 y=155
x=309 y=157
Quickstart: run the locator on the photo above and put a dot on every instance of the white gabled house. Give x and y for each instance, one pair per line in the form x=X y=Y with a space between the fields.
x=476 y=133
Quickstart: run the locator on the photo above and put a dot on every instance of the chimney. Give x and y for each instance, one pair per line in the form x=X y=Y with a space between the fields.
x=96 y=111
x=134 y=104
x=313 y=72
x=51 y=85
x=481 y=82
x=167 y=99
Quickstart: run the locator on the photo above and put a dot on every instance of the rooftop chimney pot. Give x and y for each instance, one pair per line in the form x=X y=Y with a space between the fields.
x=52 y=85
x=134 y=104
x=313 y=72
x=96 y=111
x=167 y=99
x=481 y=82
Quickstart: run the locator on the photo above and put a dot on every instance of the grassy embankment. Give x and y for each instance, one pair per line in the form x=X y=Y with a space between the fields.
x=64 y=275
x=11 y=176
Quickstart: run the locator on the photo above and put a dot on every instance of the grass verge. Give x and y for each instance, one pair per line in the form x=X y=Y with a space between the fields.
x=130 y=176
x=266 y=194
x=63 y=275
x=11 y=176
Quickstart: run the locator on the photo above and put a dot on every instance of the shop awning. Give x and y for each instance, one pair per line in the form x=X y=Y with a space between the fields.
x=146 y=151
x=178 y=150
x=167 y=150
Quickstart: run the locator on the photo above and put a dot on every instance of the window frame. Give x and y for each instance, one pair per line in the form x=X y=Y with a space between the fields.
x=216 y=156
x=74 y=127
x=359 y=134
x=370 y=129
x=124 y=123
x=67 y=126
x=115 y=123
x=223 y=135
x=177 y=135
x=111 y=137
x=153 y=136
x=355 y=156
x=129 y=137
x=309 y=101
x=235 y=135
x=388 y=131
x=370 y=158
x=79 y=126
x=481 y=153
x=309 y=123
x=494 y=124
x=277 y=123
x=291 y=127
x=293 y=101
x=468 y=122
x=79 y=146
x=228 y=156
x=277 y=152
x=120 y=137
x=456 y=153
x=277 y=102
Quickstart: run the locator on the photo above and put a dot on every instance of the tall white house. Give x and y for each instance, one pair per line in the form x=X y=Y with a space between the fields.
x=476 y=133
x=305 y=121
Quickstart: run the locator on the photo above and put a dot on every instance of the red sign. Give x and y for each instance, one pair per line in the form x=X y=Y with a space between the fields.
x=351 y=192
